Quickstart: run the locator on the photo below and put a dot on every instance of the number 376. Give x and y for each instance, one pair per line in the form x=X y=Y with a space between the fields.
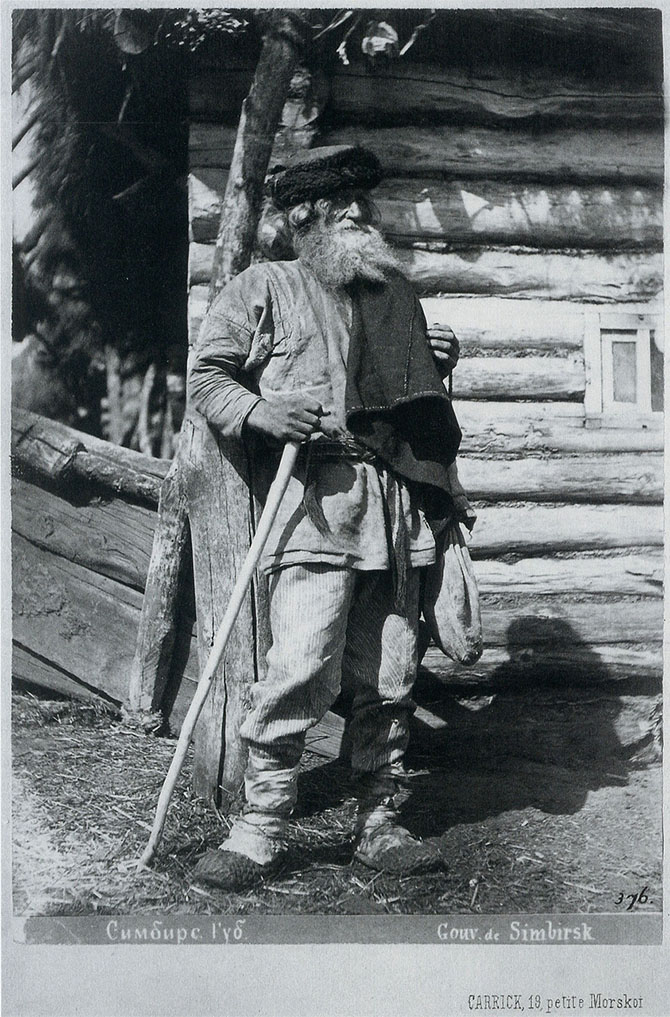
x=634 y=898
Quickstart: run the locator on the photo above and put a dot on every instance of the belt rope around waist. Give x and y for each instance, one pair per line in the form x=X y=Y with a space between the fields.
x=341 y=448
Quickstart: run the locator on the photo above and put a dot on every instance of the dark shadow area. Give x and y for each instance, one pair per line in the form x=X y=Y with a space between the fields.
x=541 y=730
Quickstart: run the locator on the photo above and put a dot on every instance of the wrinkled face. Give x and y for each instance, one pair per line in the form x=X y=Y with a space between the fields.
x=350 y=210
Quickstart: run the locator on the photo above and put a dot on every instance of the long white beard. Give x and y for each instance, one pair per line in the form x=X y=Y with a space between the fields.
x=338 y=256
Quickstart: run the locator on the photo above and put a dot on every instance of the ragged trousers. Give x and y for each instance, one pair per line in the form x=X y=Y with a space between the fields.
x=330 y=626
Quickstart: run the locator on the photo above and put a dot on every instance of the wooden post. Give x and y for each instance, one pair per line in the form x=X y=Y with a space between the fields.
x=285 y=34
x=152 y=663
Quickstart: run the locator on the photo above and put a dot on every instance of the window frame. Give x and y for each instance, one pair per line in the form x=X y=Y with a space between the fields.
x=599 y=405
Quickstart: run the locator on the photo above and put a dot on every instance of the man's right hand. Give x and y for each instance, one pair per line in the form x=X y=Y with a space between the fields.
x=286 y=418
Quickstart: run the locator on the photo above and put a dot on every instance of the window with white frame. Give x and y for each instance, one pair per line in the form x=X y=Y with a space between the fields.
x=623 y=354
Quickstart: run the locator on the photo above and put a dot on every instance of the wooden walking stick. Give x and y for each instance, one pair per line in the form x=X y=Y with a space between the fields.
x=272 y=503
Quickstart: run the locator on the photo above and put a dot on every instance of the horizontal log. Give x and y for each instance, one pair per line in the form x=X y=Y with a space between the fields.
x=594 y=663
x=536 y=621
x=501 y=323
x=528 y=273
x=633 y=478
x=112 y=538
x=512 y=272
x=60 y=453
x=602 y=154
x=483 y=211
x=487 y=211
x=405 y=92
x=630 y=575
x=83 y=623
x=520 y=378
x=547 y=529
x=515 y=428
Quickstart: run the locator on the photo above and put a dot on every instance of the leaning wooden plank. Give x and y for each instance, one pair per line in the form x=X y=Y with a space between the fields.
x=547 y=529
x=627 y=575
x=112 y=537
x=528 y=273
x=30 y=667
x=616 y=153
x=516 y=428
x=59 y=453
x=152 y=664
x=407 y=92
x=219 y=506
x=498 y=378
x=619 y=477
x=577 y=622
x=483 y=211
x=592 y=663
x=83 y=622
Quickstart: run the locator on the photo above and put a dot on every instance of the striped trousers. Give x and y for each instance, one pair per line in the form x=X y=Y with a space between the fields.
x=331 y=626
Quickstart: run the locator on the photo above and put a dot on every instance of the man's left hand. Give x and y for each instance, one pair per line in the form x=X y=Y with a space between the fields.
x=445 y=348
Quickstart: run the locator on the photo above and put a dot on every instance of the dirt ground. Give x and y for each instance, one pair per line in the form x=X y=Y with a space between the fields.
x=515 y=838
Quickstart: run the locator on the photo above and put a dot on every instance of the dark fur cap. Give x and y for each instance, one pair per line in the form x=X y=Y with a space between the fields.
x=321 y=173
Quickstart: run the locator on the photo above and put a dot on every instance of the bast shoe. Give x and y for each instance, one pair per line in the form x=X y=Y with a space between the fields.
x=248 y=856
x=229 y=870
x=389 y=847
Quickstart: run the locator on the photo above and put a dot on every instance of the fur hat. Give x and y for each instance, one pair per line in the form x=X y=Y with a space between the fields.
x=321 y=173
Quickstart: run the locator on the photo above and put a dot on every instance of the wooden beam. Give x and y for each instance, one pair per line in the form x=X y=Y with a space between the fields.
x=152 y=663
x=547 y=529
x=519 y=378
x=83 y=622
x=506 y=324
x=59 y=453
x=483 y=211
x=537 y=215
x=627 y=575
x=407 y=92
x=561 y=620
x=215 y=477
x=592 y=663
x=85 y=625
x=520 y=273
x=614 y=154
x=513 y=428
x=113 y=538
x=30 y=667
x=630 y=478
